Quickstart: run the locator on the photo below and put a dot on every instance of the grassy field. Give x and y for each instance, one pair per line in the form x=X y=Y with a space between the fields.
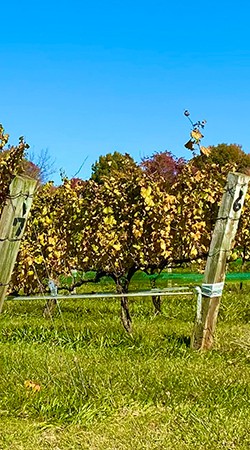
x=95 y=387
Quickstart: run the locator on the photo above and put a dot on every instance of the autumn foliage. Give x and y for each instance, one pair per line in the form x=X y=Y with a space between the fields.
x=126 y=217
x=11 y=159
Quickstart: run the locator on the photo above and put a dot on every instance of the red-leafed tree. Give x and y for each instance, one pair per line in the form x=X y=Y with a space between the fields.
x=163 y=167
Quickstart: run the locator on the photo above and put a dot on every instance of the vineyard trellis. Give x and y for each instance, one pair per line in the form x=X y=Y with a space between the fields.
x=14 y=218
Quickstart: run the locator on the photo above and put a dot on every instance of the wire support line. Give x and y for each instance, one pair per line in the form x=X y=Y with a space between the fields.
x=221 y=250
x=234 y=219
x=4 y=284
x=163 y=293
x=10 y=239
x=231 y=188
x=18 y=195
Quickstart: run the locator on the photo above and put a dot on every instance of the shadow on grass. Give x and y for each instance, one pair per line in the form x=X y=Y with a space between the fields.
x=178 y=340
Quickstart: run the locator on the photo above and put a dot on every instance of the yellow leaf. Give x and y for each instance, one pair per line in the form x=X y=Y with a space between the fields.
x=145 y=192
x=117 y=246
x=51 y=240
x=196 y=134
x=162 y=245
x=35 y=387
x=109 y=220
x=149 y=201
x=39 y=260
x=193 y=252
x=205 y=150
x=108 y=210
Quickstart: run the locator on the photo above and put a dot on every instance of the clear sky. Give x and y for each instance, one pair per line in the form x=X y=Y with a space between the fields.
x=85 y=78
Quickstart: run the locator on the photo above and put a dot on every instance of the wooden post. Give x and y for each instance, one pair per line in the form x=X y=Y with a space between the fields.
x=12 y=225
x=214 y=276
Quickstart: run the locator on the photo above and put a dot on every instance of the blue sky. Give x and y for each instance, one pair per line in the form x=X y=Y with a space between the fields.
x=87 y=78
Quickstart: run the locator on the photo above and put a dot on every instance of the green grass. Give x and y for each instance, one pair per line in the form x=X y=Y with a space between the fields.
x=103 y=389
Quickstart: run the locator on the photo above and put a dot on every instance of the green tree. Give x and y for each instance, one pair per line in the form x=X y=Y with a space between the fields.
x=224 y=154
x=111 y=163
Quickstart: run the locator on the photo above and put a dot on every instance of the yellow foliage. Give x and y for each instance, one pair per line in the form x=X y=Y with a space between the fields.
x=29 y=384
x=196 y=134
x=108 y=210
x=38 y=260
x=117 y=246
x=109 y=220
x=205 y=150
x=145 y=192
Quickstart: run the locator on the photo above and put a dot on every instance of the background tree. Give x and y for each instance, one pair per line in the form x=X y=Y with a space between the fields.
x=40 y=166
x=110 y=164
x=31 y=170
x=163 y=167
x=225 y=154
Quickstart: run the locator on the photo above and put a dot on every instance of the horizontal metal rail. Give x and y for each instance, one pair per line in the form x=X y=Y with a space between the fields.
x=164 y=292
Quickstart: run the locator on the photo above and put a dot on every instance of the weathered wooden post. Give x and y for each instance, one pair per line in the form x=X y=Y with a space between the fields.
x=214 y=276
x=12 y=225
